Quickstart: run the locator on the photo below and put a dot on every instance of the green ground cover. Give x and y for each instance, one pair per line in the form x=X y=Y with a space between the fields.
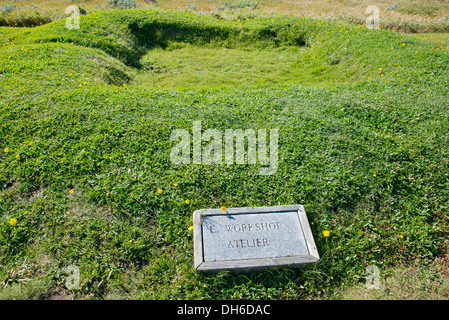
x=86 y=117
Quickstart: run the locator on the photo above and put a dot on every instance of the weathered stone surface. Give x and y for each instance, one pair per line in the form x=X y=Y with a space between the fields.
x=244 y=239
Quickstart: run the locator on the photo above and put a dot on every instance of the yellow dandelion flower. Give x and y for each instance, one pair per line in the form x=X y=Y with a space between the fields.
x=17 y=156
x=6 y=150
x=159 y=191
x=12 y=221
x=175 y=184
x=80 y=85
x=401 y=236
x=187 y=201
x=130 y=241
x=190 y=228
x=30 y=143
x=380 y=69
x=326 y=233
x=71 y=191
x=374 y=174
x=223 y=208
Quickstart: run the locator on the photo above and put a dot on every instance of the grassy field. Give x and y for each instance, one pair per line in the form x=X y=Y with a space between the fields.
x=192 y=66
x=437 y=38
x=86 y=178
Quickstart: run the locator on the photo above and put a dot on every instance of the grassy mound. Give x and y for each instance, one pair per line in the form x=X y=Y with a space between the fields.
x=85 y=165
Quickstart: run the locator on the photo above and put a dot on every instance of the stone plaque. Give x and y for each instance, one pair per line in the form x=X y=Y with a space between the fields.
x=247 y=239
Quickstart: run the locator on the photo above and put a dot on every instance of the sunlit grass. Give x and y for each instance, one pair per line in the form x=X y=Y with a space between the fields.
x=188 y=66
x=437 y=38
